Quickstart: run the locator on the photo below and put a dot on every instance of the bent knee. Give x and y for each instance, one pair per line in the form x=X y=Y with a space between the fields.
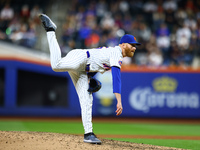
x=56 y=69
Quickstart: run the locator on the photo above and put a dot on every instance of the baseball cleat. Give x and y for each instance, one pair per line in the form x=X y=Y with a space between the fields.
x=47 y=23
x=91 y=138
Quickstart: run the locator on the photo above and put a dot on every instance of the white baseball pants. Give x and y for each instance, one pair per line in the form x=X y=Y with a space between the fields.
x=74 y=62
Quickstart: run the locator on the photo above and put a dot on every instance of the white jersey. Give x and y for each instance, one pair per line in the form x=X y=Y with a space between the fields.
x=103 y=59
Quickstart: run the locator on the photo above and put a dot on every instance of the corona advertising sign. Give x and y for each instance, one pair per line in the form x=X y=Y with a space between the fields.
x=161 y=95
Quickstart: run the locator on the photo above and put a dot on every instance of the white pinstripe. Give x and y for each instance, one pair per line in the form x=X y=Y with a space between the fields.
x=80 y=80
x=75 y=62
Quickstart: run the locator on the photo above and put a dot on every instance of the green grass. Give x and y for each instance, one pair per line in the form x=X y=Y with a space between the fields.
x=148 y=129
x=42 y=126
x=114 y=128
x=185 y=144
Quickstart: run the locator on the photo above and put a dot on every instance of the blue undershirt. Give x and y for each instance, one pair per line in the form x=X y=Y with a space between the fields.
x=116 y=76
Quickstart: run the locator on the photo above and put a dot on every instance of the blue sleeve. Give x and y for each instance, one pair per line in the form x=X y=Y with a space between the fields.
x=116 y=76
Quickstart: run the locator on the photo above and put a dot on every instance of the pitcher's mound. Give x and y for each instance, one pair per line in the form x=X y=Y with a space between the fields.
x=21 y=140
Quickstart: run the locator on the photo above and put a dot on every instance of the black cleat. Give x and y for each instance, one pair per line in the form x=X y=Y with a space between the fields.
x=47 y=23
x=91 y=138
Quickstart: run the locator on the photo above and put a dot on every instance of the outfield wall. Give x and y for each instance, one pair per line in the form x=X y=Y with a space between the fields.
x=29 y=87
x=35 y=90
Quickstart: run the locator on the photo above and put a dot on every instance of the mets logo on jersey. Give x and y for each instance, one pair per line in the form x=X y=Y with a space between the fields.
x=106 y=67
x=120 y=62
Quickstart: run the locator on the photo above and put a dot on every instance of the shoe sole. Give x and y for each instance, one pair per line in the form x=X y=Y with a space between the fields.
x=43 y=17
x=92 y=142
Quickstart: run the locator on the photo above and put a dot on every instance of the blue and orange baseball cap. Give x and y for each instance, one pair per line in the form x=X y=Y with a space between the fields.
x=127 y=38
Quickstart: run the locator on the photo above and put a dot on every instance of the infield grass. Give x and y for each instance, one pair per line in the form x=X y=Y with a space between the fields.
x=184 y=144
x=101 y=128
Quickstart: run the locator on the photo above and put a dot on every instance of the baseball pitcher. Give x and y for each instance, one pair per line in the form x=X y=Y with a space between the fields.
x=82 y=64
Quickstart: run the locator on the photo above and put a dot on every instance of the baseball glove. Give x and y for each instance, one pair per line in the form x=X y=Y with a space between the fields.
x=94 y=85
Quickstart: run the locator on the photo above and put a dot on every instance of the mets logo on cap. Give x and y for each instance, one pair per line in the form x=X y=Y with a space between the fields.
x=127 y=38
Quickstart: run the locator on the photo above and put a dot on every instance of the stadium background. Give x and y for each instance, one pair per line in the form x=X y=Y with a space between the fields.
x=161 y=80
x=160 y=83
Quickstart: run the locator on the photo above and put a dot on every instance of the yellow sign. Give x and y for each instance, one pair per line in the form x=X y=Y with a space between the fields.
x=165 y=84
x=106 y=102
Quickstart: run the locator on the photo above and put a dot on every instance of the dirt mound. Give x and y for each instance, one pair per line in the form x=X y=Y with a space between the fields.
x=13 y=140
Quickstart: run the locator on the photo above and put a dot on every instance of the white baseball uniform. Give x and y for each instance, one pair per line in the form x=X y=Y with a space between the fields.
x=77 y=63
